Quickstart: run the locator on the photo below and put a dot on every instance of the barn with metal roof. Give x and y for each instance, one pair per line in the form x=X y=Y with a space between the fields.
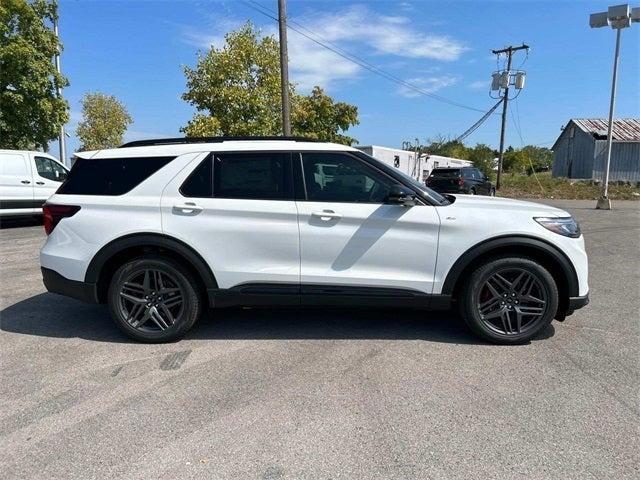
x=581 y=150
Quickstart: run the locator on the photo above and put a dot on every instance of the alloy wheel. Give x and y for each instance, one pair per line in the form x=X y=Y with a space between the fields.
x=151 y=300
x=511 y=301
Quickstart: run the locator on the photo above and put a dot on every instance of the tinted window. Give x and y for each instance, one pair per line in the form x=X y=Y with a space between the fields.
x=110 y=176
x=446 y=172
x=200 y=182
x=251 y=176
x=331 y=177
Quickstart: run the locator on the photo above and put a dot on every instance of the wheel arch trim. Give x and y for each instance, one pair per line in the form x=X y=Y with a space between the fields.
x=486 y=246
x=120 y=244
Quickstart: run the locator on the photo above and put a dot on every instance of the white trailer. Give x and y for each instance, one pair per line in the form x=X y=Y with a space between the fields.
x=405 y=160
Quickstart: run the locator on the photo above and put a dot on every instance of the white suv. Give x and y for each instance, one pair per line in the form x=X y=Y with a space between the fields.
x=161 y=229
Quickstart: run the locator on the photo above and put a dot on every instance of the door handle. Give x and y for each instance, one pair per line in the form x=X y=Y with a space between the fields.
x=188 y=209
x=39 y=183
x=326 y=215
x=26 y=182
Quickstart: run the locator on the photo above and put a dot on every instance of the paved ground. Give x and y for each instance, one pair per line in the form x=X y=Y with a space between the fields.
x=323 y=394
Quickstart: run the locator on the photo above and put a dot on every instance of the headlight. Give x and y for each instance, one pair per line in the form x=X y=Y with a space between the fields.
x=565 y=226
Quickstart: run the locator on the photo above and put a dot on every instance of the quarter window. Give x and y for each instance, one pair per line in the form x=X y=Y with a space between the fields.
x=331 y=177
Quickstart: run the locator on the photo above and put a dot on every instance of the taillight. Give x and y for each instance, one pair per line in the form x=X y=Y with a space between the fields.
x=53 y=213
x=461 y=181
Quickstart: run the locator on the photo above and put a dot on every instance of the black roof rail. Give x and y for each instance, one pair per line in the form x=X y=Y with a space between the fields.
x=186 y=140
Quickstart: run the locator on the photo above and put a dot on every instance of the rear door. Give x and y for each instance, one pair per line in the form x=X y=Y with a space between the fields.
x=48 y=175
x=237 y=211
x=16 y=184
x=349 y=236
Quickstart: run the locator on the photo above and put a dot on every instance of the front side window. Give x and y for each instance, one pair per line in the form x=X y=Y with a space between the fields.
x=50 y=170
x=334 y=177
x=251 y=176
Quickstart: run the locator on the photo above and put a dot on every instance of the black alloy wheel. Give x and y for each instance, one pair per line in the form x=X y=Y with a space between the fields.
x=509 y=300
x=154 y=299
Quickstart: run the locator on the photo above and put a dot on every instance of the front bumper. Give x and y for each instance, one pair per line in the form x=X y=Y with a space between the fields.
x=56 y=283
x=576 y=303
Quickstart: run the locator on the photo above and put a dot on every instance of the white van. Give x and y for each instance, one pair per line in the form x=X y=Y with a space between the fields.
x=27 y=179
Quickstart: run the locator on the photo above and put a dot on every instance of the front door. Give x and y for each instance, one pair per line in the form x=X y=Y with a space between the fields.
x=349 y=236
x=237 y=211
x=16 y=184
x=48 y=176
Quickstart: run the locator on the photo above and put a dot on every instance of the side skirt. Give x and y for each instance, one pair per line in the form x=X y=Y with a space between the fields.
x=258 y=295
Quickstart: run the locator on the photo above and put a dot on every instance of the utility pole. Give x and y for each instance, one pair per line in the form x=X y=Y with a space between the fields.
x=284 y=69
x=61 y=138
x=505 y=85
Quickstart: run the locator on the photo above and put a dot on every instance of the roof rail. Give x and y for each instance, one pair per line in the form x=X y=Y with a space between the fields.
x=186 y=140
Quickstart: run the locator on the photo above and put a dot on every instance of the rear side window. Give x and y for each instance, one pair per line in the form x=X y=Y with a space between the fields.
x=110 y=176
x=252 y=176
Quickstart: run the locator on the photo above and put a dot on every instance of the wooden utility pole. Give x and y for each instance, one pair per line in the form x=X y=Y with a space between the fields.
x=284 y=69
x=509 y=51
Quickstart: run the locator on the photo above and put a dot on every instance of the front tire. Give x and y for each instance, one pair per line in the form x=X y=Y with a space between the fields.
x=154 y=299
x=509 y=300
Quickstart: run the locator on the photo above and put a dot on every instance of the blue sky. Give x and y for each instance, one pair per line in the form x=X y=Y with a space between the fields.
x=135 y=50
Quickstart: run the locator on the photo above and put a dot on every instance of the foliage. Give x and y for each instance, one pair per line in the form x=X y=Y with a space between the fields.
x=31 y=112
x=544 y=185
x=236 y=90
x=104 y=122
x=483 y=157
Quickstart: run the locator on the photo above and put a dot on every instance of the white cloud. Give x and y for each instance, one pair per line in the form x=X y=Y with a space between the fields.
x=479 y=85
x=428 y=84
x=357 y=29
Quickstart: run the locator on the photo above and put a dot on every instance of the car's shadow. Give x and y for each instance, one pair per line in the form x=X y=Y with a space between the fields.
x=51 y=315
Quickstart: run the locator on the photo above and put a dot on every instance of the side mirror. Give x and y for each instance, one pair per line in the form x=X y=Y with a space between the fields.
x=400 y=195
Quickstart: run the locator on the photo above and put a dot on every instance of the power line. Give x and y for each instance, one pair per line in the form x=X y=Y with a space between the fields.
x=475 y=126
x=354 y=58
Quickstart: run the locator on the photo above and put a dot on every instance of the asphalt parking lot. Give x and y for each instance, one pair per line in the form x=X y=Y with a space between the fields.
x=322 y=394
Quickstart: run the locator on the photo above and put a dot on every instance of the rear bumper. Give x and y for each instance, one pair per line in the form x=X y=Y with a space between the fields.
x=56 y=283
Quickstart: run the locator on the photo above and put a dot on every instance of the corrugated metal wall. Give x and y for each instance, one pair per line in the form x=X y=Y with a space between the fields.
x=573 y=157
x=625 y=161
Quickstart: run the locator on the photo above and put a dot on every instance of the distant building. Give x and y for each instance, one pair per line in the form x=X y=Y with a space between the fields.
x=581 y=150
x=405 y=160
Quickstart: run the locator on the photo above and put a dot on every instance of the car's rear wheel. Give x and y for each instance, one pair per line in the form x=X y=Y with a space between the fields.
x=154 y=299
x=472 y=191
x=509 y=300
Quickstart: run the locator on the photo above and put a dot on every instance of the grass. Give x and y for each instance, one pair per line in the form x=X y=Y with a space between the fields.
x=526 y=186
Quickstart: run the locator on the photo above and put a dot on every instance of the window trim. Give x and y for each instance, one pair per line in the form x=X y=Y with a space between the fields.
x=393 y=179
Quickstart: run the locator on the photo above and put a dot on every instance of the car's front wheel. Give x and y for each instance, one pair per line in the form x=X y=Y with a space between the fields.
x=509 y=300
x=154 y=299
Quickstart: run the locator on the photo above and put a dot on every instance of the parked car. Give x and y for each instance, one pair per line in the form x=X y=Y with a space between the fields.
x=27 y=179
x=468 y=180
x=160 y=230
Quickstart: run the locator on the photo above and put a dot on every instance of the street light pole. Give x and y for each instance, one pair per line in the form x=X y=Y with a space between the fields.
x=617 y=17
x=61 y=138
x=603 y=201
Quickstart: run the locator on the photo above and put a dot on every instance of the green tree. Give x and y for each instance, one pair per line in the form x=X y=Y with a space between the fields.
x=447 y=148
x=541 y=157
x=104 y=121
x=515 y=161
x=31 y=112
x=236 y=91
x=482 y=157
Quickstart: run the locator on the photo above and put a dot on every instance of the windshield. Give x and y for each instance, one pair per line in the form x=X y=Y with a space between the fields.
x=435 y=196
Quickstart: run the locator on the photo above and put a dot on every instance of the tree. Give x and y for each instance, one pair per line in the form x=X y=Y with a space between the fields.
x=236 y=91
x=541 y=157
x=104 y=121
x=31 y=113
x=482 y=157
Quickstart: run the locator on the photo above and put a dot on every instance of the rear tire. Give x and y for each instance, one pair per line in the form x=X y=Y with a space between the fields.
x=154 y=299
x=509 y=300
x=472 y=191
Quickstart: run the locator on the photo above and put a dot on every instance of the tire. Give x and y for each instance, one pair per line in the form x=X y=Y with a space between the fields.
x=472 y=191
x=170 y=292
x=492 y=192
x=512 y=307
